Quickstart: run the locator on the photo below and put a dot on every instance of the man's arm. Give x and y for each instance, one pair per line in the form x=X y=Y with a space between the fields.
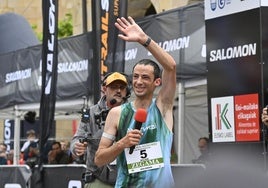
x=77 y=148
x=165 y=97
x=108 y=150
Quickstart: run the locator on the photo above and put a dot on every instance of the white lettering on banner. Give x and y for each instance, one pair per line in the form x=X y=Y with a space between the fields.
x=18 y=75
x=249 y=106
x=7 y=133
x=169 y=46
x=104 y=34
x=175 y=44
x=233 y=52
x=50 y=42
x=73 y=66
x=247 y=116
x=74 y=184
x=105 y=5
x=131 y=54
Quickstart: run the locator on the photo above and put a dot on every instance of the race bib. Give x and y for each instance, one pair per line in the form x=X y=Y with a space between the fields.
x=144 y=157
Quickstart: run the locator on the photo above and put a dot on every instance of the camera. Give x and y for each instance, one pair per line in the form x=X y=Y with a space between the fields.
x=85 y=115
x=101 y=117
x=82 y=140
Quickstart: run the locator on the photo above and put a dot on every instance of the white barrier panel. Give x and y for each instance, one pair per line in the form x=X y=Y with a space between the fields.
x=15 y=176
x=12 y=185
x=75 y=184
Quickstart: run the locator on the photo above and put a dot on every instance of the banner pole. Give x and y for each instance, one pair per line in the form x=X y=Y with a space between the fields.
x=16 y=156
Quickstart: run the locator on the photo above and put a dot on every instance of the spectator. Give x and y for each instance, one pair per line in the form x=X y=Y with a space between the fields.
x=203 y=145
x=56 y=155
x=65 y=146
x=31 y=154
x=3 y=154
x=31 y=137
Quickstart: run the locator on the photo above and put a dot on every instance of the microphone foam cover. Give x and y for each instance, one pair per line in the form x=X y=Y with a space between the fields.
x=113 y=101
x=140 y=115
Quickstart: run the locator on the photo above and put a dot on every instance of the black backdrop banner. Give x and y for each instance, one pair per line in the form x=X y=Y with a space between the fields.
x=49 y=78
x=20 y=73
x=49 y=70
x=180 y=31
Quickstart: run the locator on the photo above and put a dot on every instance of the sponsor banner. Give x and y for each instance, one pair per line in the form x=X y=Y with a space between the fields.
x=233 y=52
x=235 y=118
x=49 y=71
x=9 y=133
x=20 y=80
x=246 y=113
x=234 y=69
x=110 y=48
x=181 y=32
x=219 y=8
x=222 y=118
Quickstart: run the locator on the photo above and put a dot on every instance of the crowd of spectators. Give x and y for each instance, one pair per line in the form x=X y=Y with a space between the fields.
x=58 y=152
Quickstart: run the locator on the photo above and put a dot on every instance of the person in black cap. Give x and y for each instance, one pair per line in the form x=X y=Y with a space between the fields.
x=87 y=137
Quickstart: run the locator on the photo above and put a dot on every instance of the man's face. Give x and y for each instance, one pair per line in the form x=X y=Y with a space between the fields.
x=116 y=90
x=56 y=148
x=63 y=146
x=143 y=80
x=202 y=144
x=3 y=148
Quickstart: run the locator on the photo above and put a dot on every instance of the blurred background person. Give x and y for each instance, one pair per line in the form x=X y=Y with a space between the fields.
x=56 y=155
x=31 y=154
x=31 y=137
x=3 y=154
x=203 y=145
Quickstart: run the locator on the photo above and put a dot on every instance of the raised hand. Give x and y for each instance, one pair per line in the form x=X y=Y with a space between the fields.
x=130 y=30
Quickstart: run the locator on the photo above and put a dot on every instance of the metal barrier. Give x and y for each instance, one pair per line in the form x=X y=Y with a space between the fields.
x=188 y=175
x=55 y=176
x=15 y=176
x=70 y=176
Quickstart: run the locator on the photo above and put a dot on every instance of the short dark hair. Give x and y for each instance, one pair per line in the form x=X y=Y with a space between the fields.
x=157 y=71
x=56 y=143
x=30 y=132
x=204 y=138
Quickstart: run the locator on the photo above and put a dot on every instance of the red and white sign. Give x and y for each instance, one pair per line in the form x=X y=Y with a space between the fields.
x=247 y=118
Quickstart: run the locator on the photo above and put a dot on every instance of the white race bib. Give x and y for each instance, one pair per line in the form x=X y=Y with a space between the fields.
x=144 y=157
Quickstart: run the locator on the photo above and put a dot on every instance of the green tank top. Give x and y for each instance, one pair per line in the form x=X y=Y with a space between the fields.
x=154 y=130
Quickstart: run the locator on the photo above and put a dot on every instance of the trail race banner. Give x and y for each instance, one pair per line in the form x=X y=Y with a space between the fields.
x=109 y=51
